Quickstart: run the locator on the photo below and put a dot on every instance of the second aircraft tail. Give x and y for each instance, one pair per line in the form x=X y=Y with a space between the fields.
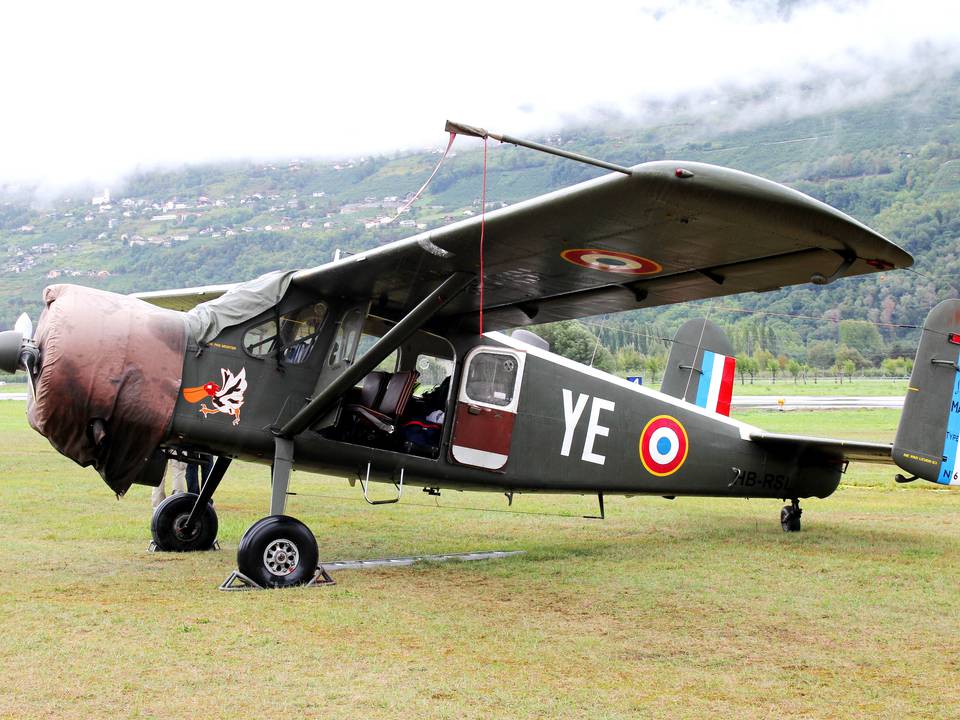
x=928 y=436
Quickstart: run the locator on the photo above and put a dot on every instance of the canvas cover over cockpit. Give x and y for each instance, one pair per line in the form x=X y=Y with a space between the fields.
x=237 y=305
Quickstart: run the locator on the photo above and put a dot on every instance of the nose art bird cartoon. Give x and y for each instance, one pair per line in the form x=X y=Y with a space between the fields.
x=224 y=398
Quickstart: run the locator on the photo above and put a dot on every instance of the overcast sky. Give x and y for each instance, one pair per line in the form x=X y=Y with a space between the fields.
x=94 y=90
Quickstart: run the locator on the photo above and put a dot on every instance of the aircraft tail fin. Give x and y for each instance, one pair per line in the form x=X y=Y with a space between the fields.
x=927 y=438
x=701 y=366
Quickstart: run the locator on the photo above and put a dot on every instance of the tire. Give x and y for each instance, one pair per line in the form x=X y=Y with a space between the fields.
x=789 y=520
x=169 y=532
x=278 y=551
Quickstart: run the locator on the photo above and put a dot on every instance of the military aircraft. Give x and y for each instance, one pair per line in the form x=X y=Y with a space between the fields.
x=374 y=366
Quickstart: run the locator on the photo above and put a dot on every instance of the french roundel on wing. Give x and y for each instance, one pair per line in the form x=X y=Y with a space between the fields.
x=611 y=261
x=663 y=445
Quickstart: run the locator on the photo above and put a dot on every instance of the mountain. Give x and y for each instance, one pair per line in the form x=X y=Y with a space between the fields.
x=893 y=164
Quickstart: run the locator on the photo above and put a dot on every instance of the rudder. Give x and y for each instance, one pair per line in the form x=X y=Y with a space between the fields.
x=928 y=435
x=700 y=347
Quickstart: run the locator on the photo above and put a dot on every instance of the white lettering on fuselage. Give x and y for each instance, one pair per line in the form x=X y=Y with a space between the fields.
x=571 y=416
x=572 y=412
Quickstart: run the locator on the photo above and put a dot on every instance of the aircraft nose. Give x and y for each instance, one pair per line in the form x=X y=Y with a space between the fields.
x=110 y=378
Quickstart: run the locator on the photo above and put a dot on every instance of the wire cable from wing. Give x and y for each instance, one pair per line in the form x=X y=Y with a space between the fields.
x=835 y=321
x=668 y=340
x=931 y=280
x=483 y=224
x=416 y=196
x=744 y=311
x=696 y=352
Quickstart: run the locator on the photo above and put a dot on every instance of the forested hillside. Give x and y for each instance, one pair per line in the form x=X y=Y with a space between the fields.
x=894 y=165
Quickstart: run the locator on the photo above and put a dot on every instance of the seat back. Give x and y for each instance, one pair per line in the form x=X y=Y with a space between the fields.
x=398 y=392
x=372 y=389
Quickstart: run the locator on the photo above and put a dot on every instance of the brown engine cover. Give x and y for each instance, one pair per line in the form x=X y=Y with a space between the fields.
x=110 y=371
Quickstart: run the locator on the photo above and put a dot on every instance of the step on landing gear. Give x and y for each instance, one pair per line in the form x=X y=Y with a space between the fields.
x=790 y=516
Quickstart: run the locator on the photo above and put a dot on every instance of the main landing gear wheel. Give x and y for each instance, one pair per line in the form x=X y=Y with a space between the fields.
x=278 y=551
x=171 y=532
x=790 y=517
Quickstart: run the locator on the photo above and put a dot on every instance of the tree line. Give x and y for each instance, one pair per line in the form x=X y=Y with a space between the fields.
x=762 y=350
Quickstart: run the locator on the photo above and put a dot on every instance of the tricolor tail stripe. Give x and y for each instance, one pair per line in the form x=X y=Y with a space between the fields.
x=950 y=467
x=716 y=383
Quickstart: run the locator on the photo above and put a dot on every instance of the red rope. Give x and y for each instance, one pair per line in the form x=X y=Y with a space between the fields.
x=483 y=222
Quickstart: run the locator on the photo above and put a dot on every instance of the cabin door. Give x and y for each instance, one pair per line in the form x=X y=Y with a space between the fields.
x=487 y=407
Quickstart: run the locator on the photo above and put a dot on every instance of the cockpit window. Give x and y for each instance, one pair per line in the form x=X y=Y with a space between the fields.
x=292 y=336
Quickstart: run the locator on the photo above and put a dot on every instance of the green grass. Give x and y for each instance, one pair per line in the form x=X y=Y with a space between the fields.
x=687 y=609
x=875 y=424
x=824 y=386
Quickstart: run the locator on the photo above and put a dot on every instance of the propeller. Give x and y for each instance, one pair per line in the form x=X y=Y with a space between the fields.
x=24 y=326
x=18 y=351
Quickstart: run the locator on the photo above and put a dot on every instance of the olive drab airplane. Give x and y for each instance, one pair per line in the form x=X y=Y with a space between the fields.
x=373 y=366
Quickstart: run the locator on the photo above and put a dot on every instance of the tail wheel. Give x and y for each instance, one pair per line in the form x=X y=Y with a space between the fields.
x=171 y=531
x=790 y=518
x=278 y=551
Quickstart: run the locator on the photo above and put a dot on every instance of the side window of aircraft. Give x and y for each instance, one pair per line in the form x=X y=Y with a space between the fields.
x=388 y=364
x=294 y=335
x=261 y=340
x=348 y=334
x=299 y=331
x=491 y=378
x=433 y=371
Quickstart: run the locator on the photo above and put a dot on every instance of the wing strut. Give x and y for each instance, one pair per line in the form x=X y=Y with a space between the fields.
x=411 y=322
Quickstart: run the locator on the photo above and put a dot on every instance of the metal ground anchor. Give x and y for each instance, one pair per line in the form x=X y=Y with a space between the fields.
x=237 y=581
x=154 y=548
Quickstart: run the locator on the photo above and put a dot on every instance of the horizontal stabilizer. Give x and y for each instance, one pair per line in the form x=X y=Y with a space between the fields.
x=840 y=450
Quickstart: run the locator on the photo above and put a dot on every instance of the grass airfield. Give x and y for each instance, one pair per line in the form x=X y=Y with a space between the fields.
x=686 y=609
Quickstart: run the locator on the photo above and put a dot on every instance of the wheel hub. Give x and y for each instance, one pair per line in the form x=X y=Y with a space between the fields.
x=281 y=557
x=183 y=531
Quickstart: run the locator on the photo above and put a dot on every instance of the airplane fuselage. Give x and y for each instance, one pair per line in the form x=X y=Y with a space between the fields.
x=558 y=426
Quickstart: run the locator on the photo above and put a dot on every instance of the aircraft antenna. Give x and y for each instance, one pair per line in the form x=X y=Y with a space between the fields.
x=697 y=351
x=471 y=131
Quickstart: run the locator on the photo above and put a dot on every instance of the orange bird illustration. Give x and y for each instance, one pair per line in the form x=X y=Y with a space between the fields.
x=227 y=397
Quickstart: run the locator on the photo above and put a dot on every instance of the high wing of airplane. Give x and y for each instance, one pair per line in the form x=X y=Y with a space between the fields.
x=667 y=233
x=372 y=366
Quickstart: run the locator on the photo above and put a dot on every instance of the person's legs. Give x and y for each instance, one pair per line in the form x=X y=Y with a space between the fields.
x=159 y=494
x=193 y=483
x=179 y=477
x=207 y=467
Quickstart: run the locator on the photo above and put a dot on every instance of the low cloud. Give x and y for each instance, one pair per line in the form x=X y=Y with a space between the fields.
x=96 y=91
